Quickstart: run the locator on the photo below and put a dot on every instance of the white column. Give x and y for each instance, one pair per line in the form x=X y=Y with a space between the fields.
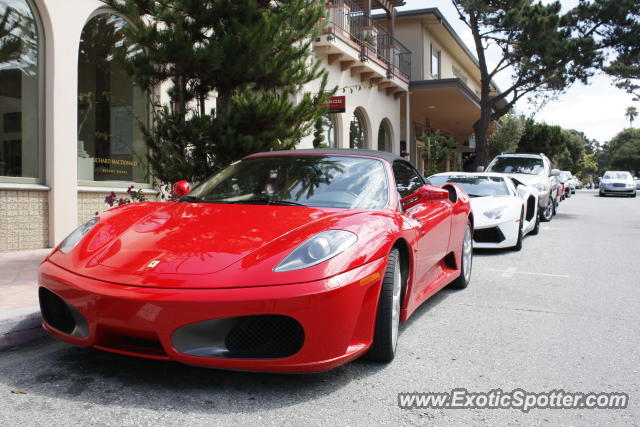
x=63 y=21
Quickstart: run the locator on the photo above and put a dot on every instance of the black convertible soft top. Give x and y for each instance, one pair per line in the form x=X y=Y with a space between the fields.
x=389 y=157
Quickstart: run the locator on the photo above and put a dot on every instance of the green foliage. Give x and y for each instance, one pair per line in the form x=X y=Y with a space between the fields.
x=616 y=26
x=539 y=46
x=506 y=137
x=542 y=138
x=318 y=132
x=436 y=149
x=624 y=151
x=566 y=148
x=256 y=55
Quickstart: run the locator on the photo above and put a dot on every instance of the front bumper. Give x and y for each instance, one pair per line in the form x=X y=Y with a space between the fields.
x=617 y=190
x=336 y=316
x=496 y=235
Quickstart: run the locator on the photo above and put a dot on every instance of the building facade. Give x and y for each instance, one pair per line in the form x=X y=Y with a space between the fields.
x=69 y=112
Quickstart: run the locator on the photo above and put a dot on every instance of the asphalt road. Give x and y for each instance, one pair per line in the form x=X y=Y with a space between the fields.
x=561 y=314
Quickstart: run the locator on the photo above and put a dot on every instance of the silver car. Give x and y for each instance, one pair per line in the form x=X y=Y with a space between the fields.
x=534 y=170
x=619 y=183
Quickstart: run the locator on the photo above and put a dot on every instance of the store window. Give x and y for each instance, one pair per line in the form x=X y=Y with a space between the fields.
x=110 y=143
x=384 y=137
x=21 y=151
x=357 y=131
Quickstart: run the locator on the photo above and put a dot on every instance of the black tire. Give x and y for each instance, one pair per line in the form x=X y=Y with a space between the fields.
x=634 y=195
x=536 y=228
x=383 y=348
x=518 y=245
x=555 y=207
x=462 y=281
x=600 y=193
x=547 y=213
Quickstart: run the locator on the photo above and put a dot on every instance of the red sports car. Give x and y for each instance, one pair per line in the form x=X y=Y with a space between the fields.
x=286 y=261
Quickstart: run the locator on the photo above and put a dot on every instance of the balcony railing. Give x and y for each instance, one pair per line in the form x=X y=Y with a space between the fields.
x=349 y=22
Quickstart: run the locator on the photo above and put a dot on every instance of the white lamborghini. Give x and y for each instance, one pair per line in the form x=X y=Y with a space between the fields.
x=504 y=208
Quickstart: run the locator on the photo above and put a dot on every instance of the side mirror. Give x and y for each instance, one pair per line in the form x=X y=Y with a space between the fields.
x=555 y=172
x=181 y=188
x=424 y=194
x=480 y=169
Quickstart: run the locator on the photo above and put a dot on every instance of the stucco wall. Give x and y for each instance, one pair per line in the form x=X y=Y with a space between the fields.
x=24 y=220
x=376 y=104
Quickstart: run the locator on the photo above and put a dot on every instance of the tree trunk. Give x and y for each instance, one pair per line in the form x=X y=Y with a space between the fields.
x=480 y=128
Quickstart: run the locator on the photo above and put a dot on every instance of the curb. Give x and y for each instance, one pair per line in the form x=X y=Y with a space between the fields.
x=19 y=327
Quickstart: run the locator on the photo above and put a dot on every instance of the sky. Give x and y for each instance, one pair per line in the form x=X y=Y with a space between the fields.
x=597 y=109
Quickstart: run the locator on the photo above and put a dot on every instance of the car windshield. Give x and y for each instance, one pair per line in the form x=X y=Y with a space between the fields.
x=617 y=175
x=298 y=180
x=474 y=185
x=528 y=165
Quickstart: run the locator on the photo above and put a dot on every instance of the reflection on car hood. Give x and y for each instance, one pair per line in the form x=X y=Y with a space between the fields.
x=482 y=204
x=530 y=179
x=618 y=181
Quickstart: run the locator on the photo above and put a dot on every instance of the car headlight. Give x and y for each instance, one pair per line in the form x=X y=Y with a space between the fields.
x=540 y=187
x=630 y=185
x=495 y=213
x=317 y=249
x=74 y=238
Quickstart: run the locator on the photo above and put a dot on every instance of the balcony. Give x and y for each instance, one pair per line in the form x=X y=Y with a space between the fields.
x=368 y=43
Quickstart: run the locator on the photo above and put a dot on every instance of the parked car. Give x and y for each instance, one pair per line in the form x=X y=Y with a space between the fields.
x=561 y=194
x=534 y=170
x=637 y=180
x=565 y=180
x=288 y=261
x=505 y=209
x=579 y=184
x=618 y=183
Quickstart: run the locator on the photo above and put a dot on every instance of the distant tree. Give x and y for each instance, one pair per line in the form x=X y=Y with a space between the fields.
x=255 y=55
x=624 y=151
x=507 y=135
x=615 y=26
x=538 y=46
x=631 y=113
x=542 y=138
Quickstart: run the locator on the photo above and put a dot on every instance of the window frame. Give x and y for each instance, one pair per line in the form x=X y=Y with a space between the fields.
x=412 y=169
x=41 y=145
x=359 y=114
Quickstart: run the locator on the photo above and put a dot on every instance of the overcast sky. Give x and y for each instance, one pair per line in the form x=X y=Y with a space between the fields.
x=596 y=109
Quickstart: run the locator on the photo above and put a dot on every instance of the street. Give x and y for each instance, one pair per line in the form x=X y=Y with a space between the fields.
x=563 y=313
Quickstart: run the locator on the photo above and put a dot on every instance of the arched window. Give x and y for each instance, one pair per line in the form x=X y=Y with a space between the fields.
x=330 y=131
x=20 y=122
x=357 y=131
x=110 y=144
x=384 y=137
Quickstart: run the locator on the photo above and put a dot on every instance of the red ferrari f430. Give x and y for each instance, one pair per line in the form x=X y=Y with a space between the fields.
x=289 y=261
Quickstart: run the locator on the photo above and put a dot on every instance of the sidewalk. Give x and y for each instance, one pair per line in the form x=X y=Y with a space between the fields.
x=19 y=310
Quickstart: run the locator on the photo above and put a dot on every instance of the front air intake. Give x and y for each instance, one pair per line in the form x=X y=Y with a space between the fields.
x=62 y=316
x=266 y=336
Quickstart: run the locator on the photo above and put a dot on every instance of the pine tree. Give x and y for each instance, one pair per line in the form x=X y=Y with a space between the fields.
x=539 y=46
x=255 y=55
